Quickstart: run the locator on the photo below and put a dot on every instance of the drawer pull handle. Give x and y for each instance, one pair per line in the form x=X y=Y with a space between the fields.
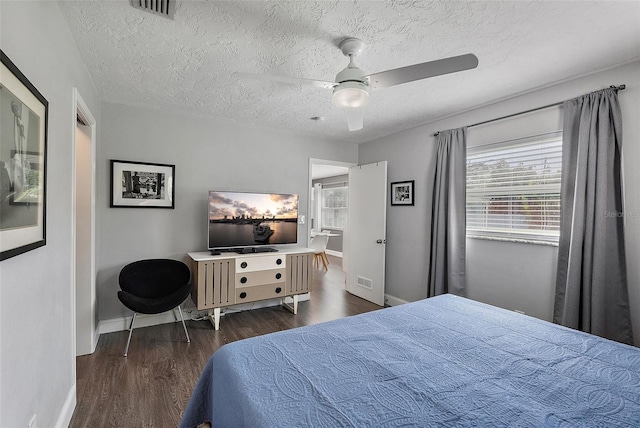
x=243 y=280
x=279 y=261
x=243 y=265
x=278 y=290
x=243 y=295
x=278 y=275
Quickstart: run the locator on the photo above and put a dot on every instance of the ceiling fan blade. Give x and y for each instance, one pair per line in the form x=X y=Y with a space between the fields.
x=286 y=79
x=354 y=118
x=424 y=70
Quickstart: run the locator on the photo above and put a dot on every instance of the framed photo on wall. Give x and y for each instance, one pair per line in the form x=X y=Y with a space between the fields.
x=402 y=192
x=142 y=185
x=23 y=155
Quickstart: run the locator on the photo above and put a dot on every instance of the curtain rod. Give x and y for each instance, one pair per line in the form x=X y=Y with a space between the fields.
x=614 y=87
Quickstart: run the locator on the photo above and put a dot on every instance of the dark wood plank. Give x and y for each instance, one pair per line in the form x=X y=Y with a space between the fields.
x=151 y=387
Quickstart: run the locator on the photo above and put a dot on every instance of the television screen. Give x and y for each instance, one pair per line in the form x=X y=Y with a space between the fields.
x=245 y=219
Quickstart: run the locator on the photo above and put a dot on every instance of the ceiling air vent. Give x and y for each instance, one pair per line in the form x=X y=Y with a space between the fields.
x=166 y=8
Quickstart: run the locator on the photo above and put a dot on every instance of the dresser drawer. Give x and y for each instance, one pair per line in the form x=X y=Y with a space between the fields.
x=251 y=279
x=254 y=263
x=259 y=292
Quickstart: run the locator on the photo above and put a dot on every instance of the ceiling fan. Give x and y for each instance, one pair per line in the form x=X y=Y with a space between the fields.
x=352 y=86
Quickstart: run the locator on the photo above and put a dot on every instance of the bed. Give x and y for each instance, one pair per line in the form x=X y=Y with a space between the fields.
x=443 y=361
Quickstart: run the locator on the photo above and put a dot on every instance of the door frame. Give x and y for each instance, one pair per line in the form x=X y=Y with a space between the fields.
x=312 y=162
x=81 y=110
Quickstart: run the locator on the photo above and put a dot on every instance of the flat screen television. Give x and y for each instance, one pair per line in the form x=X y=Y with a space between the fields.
x=251 y=221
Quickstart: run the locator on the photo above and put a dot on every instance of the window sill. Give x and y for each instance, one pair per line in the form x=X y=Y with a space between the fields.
x=515 y=240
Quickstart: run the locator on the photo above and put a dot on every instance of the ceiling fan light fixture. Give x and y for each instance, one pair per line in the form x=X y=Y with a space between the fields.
x=352 y=85
x=351 y=95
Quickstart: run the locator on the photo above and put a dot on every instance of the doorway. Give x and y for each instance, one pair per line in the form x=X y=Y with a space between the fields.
x=328 y=179
x=363 y=258
x=83 y=255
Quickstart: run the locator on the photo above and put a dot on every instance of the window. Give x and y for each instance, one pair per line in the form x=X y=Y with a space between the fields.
x=513 y=189
x=334 y=207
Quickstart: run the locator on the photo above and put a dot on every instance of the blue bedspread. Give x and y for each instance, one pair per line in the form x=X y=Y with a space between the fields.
x=443 y=361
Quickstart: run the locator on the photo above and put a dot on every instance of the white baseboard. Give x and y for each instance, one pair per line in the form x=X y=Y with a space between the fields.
x=144 y=320
x=334 y=253
x=390 y=300
x=66 y=413
x=94 y=343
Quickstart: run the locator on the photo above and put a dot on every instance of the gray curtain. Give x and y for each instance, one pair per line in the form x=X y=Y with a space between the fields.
x=448 y=220
x=591 y=282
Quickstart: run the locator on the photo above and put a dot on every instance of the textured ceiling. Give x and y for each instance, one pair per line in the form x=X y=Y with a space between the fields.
x=187 y=64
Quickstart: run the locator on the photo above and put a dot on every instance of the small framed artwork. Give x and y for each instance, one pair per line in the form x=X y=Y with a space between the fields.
x=402 y=193
x=142 y=185
x=23 y=157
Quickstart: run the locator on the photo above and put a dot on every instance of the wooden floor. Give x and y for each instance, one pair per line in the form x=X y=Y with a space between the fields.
x=151 y=387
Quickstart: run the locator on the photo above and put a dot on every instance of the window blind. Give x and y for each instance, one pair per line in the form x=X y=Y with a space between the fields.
x=513 y=188
x=334 y=207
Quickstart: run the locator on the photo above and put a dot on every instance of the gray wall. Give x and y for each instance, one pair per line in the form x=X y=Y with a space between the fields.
x=37 y=355
x=514 y=276
x=209 y=154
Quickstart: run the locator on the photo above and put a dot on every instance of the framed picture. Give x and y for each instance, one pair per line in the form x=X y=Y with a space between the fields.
x=23 y=156
x=142 y=185
x=402 y=193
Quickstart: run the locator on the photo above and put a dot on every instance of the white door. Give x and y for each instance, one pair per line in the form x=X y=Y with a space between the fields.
x=366 y=232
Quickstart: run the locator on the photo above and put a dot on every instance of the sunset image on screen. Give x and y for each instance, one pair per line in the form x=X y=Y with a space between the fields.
x=243 y=218
x=230 y=205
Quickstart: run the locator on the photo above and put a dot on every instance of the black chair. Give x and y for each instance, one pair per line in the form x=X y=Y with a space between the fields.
x=154 y=286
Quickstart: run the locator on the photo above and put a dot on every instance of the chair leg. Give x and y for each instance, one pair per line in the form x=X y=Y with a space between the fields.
x=325 y=260
x=183 y=324
x=126 y=350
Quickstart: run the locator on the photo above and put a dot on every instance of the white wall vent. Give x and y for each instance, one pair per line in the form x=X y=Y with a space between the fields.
x=365 y=282
x=166 y=8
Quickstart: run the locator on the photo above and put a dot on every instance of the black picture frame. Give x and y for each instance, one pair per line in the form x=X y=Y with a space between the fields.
x=142 y=185
x=24 y=118
x=402 y=193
